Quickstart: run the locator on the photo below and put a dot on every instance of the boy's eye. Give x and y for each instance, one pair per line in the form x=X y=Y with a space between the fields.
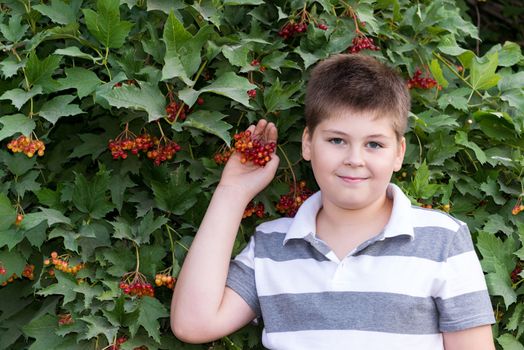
x=373 y=144
x=336 y=141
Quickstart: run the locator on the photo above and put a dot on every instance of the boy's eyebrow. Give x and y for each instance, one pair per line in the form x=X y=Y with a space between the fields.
x=338 y=132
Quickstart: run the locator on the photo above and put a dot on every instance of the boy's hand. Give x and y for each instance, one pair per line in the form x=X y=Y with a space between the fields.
x=247 y=180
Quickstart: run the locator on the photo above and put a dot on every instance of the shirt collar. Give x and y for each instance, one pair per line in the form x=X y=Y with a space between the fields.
x=304 y=222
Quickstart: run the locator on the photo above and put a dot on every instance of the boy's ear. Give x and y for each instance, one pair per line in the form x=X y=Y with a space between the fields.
x=401 y=151
x=306 y=144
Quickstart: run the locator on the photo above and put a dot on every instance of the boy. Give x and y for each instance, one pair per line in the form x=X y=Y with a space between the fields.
x=358 y=267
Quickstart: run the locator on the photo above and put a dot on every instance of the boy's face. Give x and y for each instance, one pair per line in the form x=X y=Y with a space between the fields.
x=353 y=156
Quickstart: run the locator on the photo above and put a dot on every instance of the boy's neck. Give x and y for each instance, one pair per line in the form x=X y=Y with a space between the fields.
x=345 y=229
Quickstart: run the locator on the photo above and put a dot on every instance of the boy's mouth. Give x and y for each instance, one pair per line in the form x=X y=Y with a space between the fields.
x=353 y=179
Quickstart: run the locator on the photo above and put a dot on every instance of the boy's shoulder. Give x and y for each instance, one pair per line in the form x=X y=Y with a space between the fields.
x=424 y=217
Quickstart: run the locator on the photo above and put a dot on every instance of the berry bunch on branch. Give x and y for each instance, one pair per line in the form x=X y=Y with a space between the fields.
x=158 y=150
x=61 y=263
x=27 y=145
x=135 y=284
x=116 y=345
x=252 y=149
x=177 y=111
x=164 y=278
x=299 y=23
x=518 y=207
x=289 y=203
x=223 y=155
x=360 y=41
x=252 y=208
x=420 y=82
x=65 y=319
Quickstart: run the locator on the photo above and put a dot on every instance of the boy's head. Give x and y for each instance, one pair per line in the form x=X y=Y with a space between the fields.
x=356 y=83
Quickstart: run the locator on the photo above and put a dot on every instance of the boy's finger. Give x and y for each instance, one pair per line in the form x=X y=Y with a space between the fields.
x=260 y=128
x=271 y=133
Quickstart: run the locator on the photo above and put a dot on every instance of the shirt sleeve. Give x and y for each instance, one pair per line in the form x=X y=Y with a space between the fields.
x=241 y=276
x=463 y=301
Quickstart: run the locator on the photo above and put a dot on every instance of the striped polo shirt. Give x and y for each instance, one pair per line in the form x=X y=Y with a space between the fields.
x=417 y=278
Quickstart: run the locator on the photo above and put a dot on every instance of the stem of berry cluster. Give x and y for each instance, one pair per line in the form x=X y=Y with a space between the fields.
x=137 y=257
x=290 y=166
x=168 y=228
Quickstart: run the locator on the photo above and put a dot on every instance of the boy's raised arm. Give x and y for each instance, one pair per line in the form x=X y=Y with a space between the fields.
x=203 y=309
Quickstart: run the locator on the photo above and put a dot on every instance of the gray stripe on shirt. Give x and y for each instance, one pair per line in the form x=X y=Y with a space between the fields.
x=453 y=309
x=432 y=243
x=365 y=311
x=241 y=279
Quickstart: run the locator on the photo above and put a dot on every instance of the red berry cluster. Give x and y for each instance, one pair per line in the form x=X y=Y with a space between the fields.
x=288 y=204
x=419 y=82
x=291 y=29
x=28 y=273
x=515 y=277
x=129 y=142
x=158 y=150
x=253 y=150
x=116 y=346
x=61 y=263
x=26 y=145
x=252 y=93
x=172 y=110
x=135 y=284
x=256 y=63
x=65 y=319
x=362 y=42
x=164 y=279
x=127 y=82
x=257 y=209
x=222 y=157
x=164 y=151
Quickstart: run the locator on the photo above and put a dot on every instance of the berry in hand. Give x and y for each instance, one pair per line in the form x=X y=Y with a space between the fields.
x=253 y=150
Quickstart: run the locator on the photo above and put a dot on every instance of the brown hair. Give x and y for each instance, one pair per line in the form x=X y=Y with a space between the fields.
x=356 y=83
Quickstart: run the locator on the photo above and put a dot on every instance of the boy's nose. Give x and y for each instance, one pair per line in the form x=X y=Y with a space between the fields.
x=354 y=158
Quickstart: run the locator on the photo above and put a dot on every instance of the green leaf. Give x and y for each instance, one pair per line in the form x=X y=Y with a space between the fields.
x=516 y=318
x=449 y=46
x=491 y=188
x=231 y=85
x=495 y=257
x=59 y=12
x=39 y=72
x=146 y=98
x=14 y=124
x=150 y=310
x=19 y=97
x=483 y=74
x=512 y=81
x=14 y=31
x=436 y=71
x=509 y=342
x=10 y=66
x=243 y=2
x=18 y=163
x=7 y=212
x=278 y=98
x=58 y=107
x=177 y=196
x=420 y=184
x=90 y=196
x=97 y=325
x=65 y=286
x=148 y=225
x=210 y=122
x=92 y=144
x=499 y=283
x=13 y=262
x=462 y=139
x=237 y=55
x=105 y=24
x=27 y=183
x=510 y=54
x=42 y=330
x=73 y=51
x=182 y=57
x=118 y=186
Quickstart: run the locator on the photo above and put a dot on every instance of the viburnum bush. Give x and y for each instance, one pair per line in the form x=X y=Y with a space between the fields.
x=117 y=117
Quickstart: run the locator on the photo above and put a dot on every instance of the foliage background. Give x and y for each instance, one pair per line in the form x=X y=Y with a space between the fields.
x=59 y=63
